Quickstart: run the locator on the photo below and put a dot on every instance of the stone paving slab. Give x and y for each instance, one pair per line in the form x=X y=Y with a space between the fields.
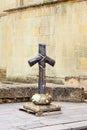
x=77 y=125
x=73 y=117
x=56 y=127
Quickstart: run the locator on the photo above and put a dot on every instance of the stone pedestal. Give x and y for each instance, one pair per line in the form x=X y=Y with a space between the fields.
x=40 y=110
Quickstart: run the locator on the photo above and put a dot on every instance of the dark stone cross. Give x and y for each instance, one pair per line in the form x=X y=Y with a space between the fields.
x=41 y=99
x=41 y=59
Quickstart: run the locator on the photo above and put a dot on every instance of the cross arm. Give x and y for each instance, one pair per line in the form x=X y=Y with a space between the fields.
x=50 y=61
x=34 y=60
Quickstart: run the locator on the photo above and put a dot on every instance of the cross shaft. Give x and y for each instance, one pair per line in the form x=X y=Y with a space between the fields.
x=41 y=59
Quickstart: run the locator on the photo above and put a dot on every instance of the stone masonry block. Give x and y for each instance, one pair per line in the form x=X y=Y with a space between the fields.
x=68 y=94
x=2 y=74
x=46 y=30
x=35 y=31
x=83 y=28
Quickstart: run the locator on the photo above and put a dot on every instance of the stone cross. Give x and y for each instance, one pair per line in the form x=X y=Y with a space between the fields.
x=41 y=59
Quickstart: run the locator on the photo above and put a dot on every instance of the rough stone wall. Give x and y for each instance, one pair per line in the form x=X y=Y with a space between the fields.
x=61 y=26
x=2 y=75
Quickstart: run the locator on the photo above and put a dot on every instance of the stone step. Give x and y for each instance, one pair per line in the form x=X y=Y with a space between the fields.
x=85 y=94
x=16 y=92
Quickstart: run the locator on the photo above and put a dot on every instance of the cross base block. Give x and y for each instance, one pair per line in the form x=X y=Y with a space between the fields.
x=40 y=110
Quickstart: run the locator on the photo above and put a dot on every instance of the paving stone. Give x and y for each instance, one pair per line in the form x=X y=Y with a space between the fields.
x=56 y=127
x=74 y=116
x=77 y=125
x=32 y=125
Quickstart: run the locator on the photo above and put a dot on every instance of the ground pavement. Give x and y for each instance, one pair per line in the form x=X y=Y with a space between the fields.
x=73 y=117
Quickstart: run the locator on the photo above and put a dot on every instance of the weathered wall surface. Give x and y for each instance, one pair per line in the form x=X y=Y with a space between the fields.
x=31 y=1
x=61 y=26
x=6 y=4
